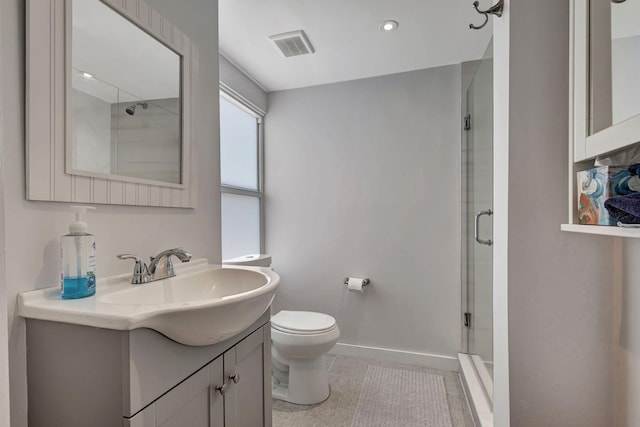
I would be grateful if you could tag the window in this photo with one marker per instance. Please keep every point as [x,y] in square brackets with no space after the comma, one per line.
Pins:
[241,177]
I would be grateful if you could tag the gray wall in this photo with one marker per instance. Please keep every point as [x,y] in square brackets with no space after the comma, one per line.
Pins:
[363,179]
[626,333]
[560,285]
[32,228]
[626,338]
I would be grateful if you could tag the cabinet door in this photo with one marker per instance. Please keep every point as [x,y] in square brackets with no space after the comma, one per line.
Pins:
[246,404]
[187,404]
[196,402]
[219,388]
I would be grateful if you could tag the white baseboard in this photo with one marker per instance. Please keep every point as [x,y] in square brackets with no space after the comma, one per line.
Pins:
[433,361]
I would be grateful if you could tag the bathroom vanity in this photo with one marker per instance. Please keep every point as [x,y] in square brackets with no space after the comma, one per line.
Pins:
[87,376]
[189,350]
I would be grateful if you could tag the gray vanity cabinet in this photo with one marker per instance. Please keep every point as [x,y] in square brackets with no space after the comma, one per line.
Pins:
[84,376]
[227,392]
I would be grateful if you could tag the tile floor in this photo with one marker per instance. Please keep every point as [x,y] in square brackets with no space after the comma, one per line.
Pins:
[346,375]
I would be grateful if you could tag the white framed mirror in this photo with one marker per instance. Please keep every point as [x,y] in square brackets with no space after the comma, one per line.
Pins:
[605,104]
[109,101]
[625,60]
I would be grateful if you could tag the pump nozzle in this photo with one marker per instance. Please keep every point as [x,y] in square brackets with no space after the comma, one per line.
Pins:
[79,226]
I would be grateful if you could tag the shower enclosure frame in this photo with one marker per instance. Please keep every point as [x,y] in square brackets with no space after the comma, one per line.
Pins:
[477,229]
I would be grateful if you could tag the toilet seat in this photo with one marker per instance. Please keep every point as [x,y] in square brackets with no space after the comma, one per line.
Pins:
[303,322]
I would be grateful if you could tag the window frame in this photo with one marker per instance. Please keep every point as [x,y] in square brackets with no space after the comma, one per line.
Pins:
[244,104]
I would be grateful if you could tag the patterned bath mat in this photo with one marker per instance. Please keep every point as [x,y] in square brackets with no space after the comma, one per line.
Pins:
[396,397]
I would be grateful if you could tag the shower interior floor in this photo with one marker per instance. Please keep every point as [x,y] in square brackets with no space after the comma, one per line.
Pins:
[346,377]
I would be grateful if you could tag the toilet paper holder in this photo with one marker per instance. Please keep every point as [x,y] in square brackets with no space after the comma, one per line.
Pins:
[365,282]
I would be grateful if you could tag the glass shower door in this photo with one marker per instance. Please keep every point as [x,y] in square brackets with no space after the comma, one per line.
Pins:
[479,219]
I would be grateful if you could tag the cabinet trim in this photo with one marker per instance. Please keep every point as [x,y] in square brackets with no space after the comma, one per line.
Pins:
[621,135]
[579,77]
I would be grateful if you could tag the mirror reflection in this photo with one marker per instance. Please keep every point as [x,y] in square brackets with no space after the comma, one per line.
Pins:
[625,60]
[126,103]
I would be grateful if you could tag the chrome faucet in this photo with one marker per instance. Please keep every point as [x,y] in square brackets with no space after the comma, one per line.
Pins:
[160,267]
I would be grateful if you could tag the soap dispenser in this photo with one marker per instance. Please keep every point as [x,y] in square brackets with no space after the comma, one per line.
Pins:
[78,256]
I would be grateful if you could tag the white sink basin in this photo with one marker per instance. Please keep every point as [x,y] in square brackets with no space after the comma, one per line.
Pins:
[213,284]
[204,304]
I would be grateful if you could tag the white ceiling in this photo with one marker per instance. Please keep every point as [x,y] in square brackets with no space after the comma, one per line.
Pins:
[346,37]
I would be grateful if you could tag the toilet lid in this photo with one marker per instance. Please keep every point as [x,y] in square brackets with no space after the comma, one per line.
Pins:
[302,322]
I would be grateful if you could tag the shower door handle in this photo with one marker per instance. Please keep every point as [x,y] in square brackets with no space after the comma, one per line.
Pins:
[476,231]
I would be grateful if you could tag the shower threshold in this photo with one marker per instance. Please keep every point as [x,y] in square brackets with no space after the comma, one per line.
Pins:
[479,401]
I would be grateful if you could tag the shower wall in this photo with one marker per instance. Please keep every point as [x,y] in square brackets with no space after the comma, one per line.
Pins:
[143,145]
[92,128]
[146,144]
[363,179]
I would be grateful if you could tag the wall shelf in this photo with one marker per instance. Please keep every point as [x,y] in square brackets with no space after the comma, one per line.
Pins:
[602,230]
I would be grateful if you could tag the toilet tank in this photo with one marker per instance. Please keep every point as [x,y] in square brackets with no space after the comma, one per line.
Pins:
[254,260]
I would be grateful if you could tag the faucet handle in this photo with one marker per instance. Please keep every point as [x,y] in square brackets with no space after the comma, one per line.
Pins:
[140,271]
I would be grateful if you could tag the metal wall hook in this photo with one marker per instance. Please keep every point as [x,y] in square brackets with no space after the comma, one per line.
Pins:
[496,9]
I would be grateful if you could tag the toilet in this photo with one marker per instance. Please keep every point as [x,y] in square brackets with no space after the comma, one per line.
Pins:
[299,340]
[253,260]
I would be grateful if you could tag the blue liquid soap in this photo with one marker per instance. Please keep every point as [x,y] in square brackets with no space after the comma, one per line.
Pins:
[78,259]
[78,287]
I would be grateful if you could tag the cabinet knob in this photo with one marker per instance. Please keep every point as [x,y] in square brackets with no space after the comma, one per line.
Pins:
[235,378]
[222,388]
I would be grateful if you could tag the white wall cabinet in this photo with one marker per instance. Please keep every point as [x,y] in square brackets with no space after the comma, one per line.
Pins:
[139,378]
[591,133]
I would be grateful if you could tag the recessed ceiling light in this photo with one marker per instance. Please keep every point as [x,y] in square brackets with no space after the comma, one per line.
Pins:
[86,75]
[388,25]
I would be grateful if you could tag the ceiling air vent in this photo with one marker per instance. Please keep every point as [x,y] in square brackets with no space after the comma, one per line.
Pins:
[293,43]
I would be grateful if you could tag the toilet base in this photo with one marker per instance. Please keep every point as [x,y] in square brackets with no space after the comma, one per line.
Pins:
[308,382]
